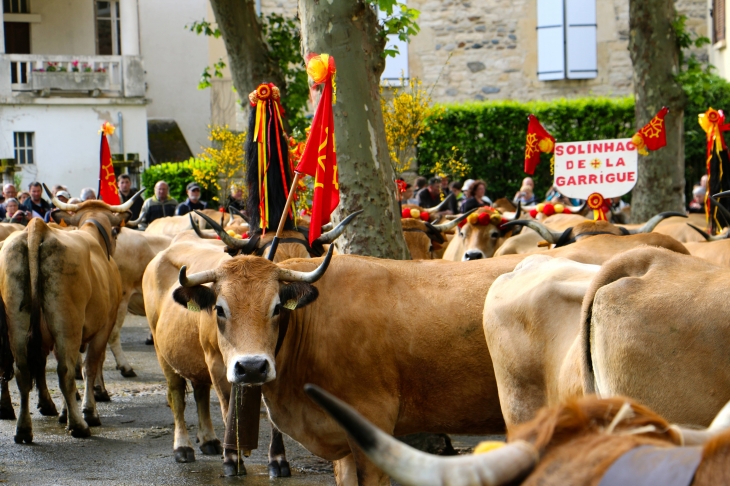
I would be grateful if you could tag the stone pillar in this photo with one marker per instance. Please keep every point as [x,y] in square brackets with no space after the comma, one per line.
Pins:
[130,27]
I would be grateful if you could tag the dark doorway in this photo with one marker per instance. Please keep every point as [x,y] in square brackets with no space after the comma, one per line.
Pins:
[17,37]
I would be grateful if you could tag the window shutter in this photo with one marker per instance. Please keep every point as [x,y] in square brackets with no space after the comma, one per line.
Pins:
[580,16]
[395,67]
[550,40]
[718,20]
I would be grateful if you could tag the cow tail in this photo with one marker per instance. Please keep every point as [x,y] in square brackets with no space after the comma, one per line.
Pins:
[631,264]
[6,354]
[36,232]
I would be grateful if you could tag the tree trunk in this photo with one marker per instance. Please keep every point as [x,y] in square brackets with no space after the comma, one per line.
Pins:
[248,55]
[655,55]
[348,30]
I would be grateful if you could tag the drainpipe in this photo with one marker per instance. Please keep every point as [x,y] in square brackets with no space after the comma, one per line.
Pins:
[120,132]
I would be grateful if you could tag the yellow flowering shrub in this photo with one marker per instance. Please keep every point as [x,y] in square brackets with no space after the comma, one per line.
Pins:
[227,155]
[452,165]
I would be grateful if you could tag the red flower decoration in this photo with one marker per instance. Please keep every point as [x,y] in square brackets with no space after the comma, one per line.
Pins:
[406,213]
[485,218]
[425,216]
[533,212]
[548,209]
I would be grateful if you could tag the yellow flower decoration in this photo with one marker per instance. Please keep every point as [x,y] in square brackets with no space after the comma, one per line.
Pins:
[107,129]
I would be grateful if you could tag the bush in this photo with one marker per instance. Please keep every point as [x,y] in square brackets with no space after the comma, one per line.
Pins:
[490,136]
[178,175]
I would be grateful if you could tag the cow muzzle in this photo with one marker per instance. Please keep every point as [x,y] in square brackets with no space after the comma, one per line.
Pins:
[473,255]
[251,370]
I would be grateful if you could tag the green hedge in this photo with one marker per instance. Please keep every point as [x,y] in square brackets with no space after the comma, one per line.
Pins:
[178,175]
[491,135]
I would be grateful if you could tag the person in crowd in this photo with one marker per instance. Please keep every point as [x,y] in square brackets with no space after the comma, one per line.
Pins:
[192,202]
[445,186]
[697,204]
[9,191]
[124,182]
[430,196]
[554,196]
[420,183]
[235,198]
[23,196]
[411,199]
[404,191]
[475,196]
[87,194]
[158,206]
[13,213]
[526,194]
[63,196]
[455,202]
[35,204]
[58,187]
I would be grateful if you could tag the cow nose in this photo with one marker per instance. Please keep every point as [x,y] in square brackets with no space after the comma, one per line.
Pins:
[473,255]
[251,371]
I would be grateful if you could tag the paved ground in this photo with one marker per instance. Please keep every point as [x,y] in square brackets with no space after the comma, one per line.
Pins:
[134,443]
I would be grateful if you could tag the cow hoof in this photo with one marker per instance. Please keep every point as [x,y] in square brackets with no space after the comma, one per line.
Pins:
[23,435]
[92,420]
[101,395]
[230,469]
[279,469]
[128,373]
[212,448]
[63,418]
[7,413]
[149,341]
[48,409]
[80,432]
[184,454]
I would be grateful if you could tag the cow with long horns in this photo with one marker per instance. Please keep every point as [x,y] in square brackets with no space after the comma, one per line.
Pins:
[61,289]
[591,441]
[424,239]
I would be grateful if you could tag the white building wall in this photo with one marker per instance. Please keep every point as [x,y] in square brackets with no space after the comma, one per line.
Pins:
[66,27]
[174,58]
[67,140]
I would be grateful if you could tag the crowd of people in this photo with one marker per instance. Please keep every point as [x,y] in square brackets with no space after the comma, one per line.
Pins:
[21,208]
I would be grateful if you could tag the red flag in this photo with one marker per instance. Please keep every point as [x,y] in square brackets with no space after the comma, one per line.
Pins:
[654,134]
[108,191]
[538,140]
[319,158]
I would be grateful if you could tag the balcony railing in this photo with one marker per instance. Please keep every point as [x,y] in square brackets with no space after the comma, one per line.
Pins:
[121,76]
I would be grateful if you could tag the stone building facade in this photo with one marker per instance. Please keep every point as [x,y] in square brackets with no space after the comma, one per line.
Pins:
[487,49]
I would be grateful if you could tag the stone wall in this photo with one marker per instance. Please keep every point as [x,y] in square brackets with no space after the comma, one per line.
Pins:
[487,49]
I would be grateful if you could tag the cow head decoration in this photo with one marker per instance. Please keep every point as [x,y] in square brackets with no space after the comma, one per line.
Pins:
[482,233]
[423,238]
[248,328]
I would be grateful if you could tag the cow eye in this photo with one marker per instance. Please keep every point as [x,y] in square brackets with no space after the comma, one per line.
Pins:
[277,310]
[495,234]
[220,312]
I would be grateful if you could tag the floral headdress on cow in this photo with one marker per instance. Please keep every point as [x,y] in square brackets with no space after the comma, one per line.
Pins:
[484,216]
[268,167]
[548,209]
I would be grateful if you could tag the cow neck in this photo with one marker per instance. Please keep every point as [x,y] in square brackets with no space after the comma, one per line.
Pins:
[104,235]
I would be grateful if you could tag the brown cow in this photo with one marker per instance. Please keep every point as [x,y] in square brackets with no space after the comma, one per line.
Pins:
[373,342]
[575,443]
[475,240]
[70,298]
[425,239]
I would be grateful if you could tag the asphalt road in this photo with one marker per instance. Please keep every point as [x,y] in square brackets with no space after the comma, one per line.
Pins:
[134,443]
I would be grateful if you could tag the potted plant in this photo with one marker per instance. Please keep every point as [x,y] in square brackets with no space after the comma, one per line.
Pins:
[80,78]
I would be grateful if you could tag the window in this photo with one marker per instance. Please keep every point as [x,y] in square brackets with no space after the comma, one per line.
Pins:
[108,28]
[23,148]
[396,68]
[566,39]
[16,6]
[718,21]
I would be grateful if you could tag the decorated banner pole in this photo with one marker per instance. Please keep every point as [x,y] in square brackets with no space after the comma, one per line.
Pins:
[319,158]
[107,190]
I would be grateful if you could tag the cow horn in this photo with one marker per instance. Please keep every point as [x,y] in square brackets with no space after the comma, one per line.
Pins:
[453,223]
[231,242]
[549,236]
[653,222]
[135,222]
[720,195]
[120,208]
[722,208]
[412,467]
[235,212]
[707,236]
[198,231]
[308,277]
[59,204]
[720,424]
[328,226]
[199,278]
[440,206]
[332,235]
[575,210]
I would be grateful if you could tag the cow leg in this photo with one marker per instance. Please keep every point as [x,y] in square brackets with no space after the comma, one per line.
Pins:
[182,447]
[79,375]
[92,368]
[368,474]
[66,355]
[209,443]
[45,402]
[24,426]
[100,392]
[115,342]
[278,465]
[345,471]
[6,405]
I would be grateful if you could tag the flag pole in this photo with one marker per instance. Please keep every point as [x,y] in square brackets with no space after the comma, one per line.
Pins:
[282,222]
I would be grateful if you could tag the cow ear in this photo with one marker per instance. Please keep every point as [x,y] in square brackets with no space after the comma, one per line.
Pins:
[195,298]
[297,295]
[62,218]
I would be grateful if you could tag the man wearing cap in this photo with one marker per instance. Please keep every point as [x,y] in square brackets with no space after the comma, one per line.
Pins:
[158,206]
[192,202]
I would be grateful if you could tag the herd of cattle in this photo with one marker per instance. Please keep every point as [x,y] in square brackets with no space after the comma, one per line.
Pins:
[570,308]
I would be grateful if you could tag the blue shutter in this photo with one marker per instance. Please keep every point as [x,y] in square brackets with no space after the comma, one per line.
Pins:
[550,40]
[580,18]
